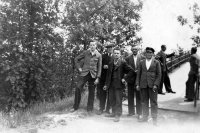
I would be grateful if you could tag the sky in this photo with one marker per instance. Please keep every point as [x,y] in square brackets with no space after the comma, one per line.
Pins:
[160,25]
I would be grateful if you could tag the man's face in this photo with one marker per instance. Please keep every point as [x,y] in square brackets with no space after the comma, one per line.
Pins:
[134,50]
[149,54]
[93,46]
[117,54]
[164,49]
[109,49]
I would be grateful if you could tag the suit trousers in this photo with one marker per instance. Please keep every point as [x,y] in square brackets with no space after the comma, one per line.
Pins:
[148,93]
[166,81]
[115,99]
[91,87]
[138,102]
[103,97]
[190,83]
[131,101]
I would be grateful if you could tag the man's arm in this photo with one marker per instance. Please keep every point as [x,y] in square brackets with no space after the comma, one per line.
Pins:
[99,66]
[128,69]
[170,55]
[78,58]
[158,74]
[137,82]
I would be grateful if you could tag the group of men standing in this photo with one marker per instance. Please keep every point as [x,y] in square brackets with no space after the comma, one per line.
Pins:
[141,72]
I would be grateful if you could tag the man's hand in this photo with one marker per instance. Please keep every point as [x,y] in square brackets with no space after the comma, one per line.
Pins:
[123,81]
[105,88]
[154,88]
[105,66]
[80,70]
[137,88]
[96,81]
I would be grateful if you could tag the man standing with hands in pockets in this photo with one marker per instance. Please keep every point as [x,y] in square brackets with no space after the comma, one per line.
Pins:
[148,81]
[90,72]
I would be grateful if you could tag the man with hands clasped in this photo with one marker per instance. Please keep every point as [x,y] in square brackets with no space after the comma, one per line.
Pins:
[148,81]
[91,72]
[115,83]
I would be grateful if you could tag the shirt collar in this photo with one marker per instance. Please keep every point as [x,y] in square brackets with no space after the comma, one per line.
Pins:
[93,53]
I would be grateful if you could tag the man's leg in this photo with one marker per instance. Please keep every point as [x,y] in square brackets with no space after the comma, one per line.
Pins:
[91,88]
[138,103]
[102,97]
[107,102]
[167,83]
[154,105]
[160,90]
[82,80]
[118,105]
[145,104]
[131,107]
[112,99]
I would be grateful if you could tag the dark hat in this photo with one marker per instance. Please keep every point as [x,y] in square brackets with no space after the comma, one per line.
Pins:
[151,49]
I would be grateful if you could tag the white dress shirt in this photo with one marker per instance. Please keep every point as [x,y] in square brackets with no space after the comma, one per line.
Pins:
[135,59]
[148,63]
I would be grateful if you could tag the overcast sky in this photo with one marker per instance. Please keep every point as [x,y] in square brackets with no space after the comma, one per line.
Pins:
[160,25]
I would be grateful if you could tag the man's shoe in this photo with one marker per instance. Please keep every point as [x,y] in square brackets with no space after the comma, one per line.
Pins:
[139,117]
[171,92]
[144,119]
[188,100]
[73,110]
[155,123]
[161,93]
[116,118]
[130,114]
[107,111]
[99,112]
[110,115]
[90,113]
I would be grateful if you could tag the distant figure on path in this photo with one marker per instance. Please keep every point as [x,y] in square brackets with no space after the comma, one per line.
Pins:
[161,56]
[90,72]
[192,76]
[115,83]
[148,81]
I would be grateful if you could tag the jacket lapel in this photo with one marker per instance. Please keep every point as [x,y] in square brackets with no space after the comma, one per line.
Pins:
[118,64]
[132,61]
[152,63]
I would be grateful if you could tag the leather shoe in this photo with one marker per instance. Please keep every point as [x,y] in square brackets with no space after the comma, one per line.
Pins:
[90,113]
[107,111]
[155,123]
[110,115]
[99,112]
[73,110]
[188,100]
[171,92]
[130,114]
[161,93]
[139,117]
[144,119]
[116,118]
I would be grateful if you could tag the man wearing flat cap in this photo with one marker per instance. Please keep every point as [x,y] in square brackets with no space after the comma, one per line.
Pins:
[103,96]
[148,81]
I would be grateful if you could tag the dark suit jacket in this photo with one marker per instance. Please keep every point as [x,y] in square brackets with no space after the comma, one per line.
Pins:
[119,71]
[105,61]
[91,64]
[130,61]
[148,78]
[194,64]
[161,56]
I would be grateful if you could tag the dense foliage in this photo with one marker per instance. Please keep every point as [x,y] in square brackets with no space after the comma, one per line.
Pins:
[40,38]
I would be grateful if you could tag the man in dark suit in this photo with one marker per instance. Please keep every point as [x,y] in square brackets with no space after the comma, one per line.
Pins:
[148,81]
[115,83]
[91,72]
[161,56]
[106,58]
[133,60]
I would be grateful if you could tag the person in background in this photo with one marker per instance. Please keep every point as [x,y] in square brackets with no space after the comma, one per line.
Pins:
[192,76]
[115,83]
[161,56]
[148,81]
[91,72]
[133,60]
[103,97]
